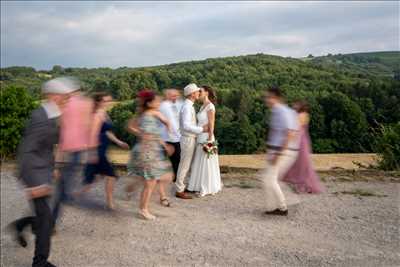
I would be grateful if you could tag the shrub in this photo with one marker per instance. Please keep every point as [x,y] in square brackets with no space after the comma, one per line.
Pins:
[387,145]
[120,115]
[16,106]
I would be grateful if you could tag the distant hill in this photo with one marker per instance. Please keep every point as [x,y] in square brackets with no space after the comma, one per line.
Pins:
[244,72]
[374,63]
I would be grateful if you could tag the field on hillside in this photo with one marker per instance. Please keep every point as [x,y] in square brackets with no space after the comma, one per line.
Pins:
[322,162]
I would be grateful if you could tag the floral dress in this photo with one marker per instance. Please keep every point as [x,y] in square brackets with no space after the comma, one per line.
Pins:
[148,157]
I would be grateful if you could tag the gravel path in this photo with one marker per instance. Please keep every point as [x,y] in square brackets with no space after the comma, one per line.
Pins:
[229,229]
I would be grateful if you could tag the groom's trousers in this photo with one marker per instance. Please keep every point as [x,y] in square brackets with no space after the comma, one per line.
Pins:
[273,172]
[188,145]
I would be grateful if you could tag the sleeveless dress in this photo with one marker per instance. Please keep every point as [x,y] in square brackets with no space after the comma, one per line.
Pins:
[302,174]
[148,158]
[205,176]
[103,166]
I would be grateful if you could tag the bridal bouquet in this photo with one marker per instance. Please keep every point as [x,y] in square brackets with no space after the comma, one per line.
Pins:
[210,147]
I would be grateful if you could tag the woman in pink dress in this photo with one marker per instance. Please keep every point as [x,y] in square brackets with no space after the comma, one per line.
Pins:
[302,174]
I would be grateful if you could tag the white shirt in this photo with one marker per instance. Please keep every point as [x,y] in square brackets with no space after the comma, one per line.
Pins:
[172,112]
[283,119]
[51,108]
[188,120]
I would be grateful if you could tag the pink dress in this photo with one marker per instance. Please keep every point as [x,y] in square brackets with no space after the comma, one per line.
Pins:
[302,174]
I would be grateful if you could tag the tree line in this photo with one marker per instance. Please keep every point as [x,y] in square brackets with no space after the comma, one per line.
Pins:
[348,104]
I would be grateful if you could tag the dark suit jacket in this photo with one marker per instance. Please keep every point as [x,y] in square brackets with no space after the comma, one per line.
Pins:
[35,153]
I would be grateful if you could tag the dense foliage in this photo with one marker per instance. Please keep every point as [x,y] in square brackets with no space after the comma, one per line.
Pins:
[387,144]
[350,95]
[16,106]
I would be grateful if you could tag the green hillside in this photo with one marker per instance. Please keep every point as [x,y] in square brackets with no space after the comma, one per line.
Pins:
[375,63]
[350,95]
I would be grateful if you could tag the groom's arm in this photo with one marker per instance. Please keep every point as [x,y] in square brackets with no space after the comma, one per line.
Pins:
[187,122]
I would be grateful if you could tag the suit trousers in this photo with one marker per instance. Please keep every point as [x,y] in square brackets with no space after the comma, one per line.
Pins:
[188,145]
[175,158]
[42,225]
[273,172]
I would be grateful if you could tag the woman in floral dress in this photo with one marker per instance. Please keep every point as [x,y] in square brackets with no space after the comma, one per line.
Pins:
[149,160]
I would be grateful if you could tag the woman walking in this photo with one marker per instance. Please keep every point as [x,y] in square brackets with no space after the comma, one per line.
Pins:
[302,174]
[101,135]
[148,158]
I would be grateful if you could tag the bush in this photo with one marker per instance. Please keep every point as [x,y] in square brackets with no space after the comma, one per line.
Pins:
[388,147]
[16,106]
[120,115]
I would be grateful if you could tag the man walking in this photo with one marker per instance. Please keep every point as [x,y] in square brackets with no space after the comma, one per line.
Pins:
[74,138]
[171,108]
[36,167]
[282,147]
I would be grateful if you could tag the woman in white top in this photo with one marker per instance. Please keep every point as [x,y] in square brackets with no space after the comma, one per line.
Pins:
[205,175]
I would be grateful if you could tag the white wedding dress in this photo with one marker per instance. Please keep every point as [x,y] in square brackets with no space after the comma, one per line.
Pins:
[205,175]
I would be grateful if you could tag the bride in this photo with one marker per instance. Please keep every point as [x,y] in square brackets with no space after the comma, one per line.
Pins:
[205,175]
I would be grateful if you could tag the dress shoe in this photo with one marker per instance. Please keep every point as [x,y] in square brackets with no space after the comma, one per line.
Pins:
[182,195]
[18,235]
[277,212]
[48,264]
[21,240]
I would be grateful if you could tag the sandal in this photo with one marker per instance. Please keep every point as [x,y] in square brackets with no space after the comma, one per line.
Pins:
[165,202]
[146,215]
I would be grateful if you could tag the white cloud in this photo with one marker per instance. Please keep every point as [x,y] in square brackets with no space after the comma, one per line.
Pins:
[141,34]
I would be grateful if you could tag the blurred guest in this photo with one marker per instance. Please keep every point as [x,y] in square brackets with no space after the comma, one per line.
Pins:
[148,158]
[282,147]
[302,174]
[171,108]
[134,127]
[36,167]
[74,138]
[100,137]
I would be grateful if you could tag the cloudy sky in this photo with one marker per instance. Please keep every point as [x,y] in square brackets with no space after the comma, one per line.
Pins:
[115,34]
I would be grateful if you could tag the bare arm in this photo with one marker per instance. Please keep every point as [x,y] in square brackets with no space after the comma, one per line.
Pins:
[211,124]
[162,118]
[133,126]
[95,131]
[115,140]
[304,119]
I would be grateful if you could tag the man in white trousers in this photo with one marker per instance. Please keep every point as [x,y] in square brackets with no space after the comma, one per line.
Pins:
[189,131]
[283,146]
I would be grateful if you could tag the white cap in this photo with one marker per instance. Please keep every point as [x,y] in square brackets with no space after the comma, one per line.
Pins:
[61,85]
[190,88]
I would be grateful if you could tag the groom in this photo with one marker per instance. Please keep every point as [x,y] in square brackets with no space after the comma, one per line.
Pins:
[189,131]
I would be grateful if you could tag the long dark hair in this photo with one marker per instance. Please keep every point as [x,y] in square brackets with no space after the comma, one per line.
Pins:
[97,98]
[211,94]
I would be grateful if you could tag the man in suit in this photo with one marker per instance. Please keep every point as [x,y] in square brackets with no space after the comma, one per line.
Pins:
[36,167]
[189,131]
